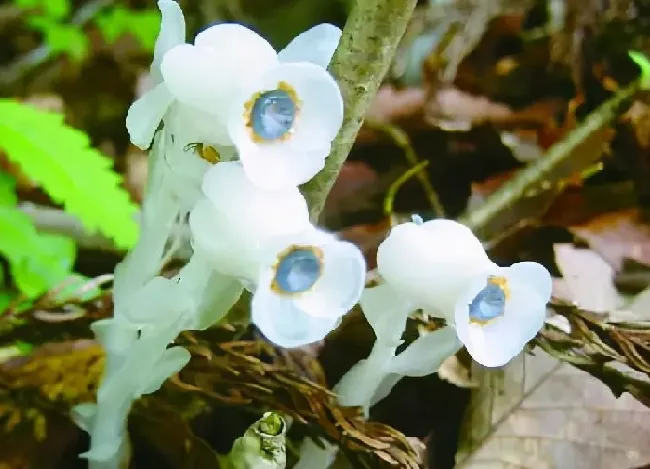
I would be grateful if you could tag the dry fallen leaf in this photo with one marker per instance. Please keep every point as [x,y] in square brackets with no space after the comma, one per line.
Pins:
[617,236]
[542,414]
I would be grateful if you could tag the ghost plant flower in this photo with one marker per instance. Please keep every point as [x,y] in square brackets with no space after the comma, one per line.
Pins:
[306,282]
[236,218]
[281,116]
[501,310]
[429,264]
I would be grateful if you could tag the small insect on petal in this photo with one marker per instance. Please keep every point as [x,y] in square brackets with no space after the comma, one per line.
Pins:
[297,270]
[270,115]
[490,302]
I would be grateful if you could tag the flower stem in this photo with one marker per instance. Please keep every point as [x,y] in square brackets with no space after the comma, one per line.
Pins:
[370,38]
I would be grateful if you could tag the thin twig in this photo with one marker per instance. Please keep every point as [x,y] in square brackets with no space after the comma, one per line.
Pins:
[402,140]
[370,38]
[534,174]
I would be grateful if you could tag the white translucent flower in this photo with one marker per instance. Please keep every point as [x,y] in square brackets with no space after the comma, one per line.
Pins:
[306,282]
[281,110]
[236,219]
[430,264]
[501,310]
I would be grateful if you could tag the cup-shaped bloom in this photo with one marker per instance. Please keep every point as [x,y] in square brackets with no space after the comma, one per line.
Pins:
[306,282]
[280,110]
[501,310]
[236,218]
[431,263]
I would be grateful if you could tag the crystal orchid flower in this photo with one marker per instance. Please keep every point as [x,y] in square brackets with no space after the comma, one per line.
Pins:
[306,282]
[429,264]
[501,310]
[280,110]
[236,218]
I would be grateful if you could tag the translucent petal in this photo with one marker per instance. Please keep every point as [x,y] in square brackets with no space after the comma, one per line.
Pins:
[171,362]
[189,124]
[146,113]
[316,45]
[263,213]
[534,275]
[239,47]
[497,342]
[385,387]
[114,334]
[172,33]
[300,154]
[158,300]
[217,238]
[425,355]
[83,415]
[196,76]
[276,168]
[224,292]
[432,263]
[341,284]
[103,451]
[386,310]
[282,321]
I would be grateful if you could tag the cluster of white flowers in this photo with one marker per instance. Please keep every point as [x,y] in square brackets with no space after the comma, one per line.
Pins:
[236,127]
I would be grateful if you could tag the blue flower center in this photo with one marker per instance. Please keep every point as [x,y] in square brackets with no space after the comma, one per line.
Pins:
[297,271]
[273,114]
[488,304]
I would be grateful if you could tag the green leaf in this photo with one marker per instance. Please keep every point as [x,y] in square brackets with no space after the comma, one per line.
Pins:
[7,190]
[60,159]
[644,64]
[54,9]
[37,261]
[62,38]
[143,25]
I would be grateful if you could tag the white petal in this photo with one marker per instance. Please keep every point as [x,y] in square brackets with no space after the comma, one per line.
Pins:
[316,45]
[217,238]
[171,362]
[195,76]
[341,284]
[241,51]
[425,355]
[224,292]
[534,275]
[264,213]
[114,334]
[189,124]
[103,451]
[432,263]
[385,387]
[172,33]
[320,108]
[146,113]
[386,310]
[496,343]
[158,300]
[276,168]
[284,323]
[83,415]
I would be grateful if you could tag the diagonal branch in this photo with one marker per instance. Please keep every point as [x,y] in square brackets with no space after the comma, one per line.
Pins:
[370,38]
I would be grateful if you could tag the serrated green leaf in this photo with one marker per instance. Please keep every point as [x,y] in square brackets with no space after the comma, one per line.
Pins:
[60,159]
[37,261]
[7,190]
[644,64]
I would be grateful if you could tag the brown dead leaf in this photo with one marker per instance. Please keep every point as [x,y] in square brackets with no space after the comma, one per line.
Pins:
[542,414]
[617,236]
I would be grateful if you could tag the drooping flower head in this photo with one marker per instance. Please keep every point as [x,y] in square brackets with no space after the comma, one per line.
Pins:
[280,110]
[501,310]
[235,218]
[306,282]
[431,263]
